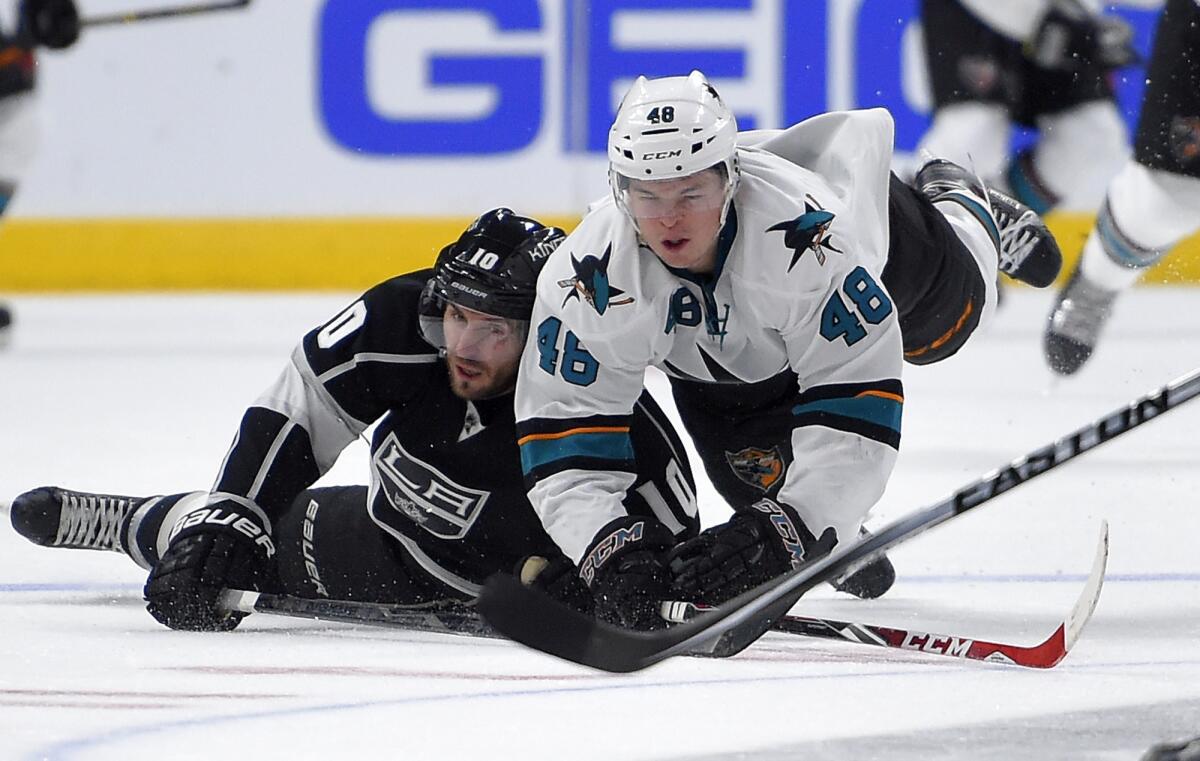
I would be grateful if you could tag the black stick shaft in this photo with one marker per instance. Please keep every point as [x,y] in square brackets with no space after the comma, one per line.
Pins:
[149,14]
[462,620]
[452,618]
[1089,437]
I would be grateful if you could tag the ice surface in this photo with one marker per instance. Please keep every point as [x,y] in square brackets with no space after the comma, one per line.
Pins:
[141,394]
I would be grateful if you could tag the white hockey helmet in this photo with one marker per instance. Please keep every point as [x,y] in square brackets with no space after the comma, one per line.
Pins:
[669,128]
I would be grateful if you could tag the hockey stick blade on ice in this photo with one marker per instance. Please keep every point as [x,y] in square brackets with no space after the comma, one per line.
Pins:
[438,618]
[463,620]
[533,619]
[1045,654]
[151,14]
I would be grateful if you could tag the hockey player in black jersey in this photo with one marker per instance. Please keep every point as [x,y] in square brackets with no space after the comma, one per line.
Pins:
[431,357]
[1042,64]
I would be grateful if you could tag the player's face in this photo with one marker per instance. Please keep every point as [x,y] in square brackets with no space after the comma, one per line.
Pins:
[680,219]
[482,352]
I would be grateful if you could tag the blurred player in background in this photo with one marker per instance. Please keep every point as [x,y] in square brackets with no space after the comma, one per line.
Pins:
[431,357]
[779,278]
[1152,204]
[1038,63]
[24,26]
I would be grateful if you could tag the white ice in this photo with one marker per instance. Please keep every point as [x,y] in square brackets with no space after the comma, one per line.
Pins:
[140,394]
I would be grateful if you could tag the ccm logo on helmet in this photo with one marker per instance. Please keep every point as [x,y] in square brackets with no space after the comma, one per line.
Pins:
[662,155]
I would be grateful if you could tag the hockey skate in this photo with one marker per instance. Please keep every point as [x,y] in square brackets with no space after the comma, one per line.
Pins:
[1184,750]
[869,581]
[54,517]
[5,324]
[1075,323]
[1027,249]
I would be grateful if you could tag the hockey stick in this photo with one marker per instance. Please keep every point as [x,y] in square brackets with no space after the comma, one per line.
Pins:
[1043,655]
[462,620]
[150,14]
[442,618]
[533,619]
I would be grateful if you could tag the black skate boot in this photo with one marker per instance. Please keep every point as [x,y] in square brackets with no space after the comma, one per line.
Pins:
[1027,250]
[1184,750]
[869,581]
[55,517]
[1075,323]
[5,324]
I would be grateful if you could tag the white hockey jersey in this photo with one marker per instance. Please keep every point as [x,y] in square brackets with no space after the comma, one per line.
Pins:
[798,285]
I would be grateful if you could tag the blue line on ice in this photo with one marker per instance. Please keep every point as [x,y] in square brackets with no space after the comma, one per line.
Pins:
[983,578]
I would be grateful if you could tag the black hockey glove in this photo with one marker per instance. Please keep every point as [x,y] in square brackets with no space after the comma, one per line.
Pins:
[558,578]
[223,545]
[625,570]
[758,543]
[52,23]
[1070,37]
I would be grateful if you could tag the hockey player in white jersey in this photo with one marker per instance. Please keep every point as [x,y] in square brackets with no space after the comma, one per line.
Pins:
[1151,205]
[24,26]
[779,279]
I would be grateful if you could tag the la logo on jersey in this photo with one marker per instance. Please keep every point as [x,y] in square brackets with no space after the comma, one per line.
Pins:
[423,493]
[591,283]
[807,232]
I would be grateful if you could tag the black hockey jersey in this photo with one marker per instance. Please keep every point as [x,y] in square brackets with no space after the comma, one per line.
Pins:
[446,477]
[18,66]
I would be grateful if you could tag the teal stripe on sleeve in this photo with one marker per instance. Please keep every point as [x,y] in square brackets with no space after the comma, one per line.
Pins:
[538,453]
[875,410]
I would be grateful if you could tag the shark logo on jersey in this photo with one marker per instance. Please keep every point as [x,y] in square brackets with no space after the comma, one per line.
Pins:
[761,468]
[423,493]
[807,232]
[591,283]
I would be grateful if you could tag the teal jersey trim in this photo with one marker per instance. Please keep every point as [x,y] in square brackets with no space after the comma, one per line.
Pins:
[536,454]
[875,410]
[984,215]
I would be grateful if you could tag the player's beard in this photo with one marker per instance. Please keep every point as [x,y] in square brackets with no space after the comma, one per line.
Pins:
[489,380]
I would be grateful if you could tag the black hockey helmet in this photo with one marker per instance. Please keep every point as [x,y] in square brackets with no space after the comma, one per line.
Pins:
[491,268]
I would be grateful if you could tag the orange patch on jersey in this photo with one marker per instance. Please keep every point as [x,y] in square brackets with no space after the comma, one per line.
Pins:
[760,468]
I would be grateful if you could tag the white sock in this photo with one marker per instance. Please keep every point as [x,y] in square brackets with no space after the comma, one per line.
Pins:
[1147,212]
[971,232]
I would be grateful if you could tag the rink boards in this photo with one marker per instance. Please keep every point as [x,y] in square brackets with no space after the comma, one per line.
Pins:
[188,155]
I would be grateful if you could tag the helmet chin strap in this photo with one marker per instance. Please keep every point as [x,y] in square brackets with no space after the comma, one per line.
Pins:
[733,176]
